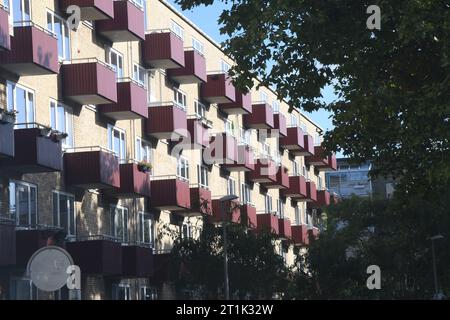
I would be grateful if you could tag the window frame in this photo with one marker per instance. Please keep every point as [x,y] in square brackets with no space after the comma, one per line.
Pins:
[177,29]
[246,194]
[28,103]
[29,186]
[183,164]
[119,57]
[122,142]
[197,43]
[125,237]
[68,142]
[69,222]
[144,219]
[231,186]
[203,176]
[66,47]
[177,93]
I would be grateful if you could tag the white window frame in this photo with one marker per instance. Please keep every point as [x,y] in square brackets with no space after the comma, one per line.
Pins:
[119,69]
[203,176]
[268,204]
[231,186]
[246,194]
[9,5]
[198,46]
[64,37]
[275,106]
[139,71]
[122,141]
[146,221]
[143,145]
[264,97]
[127,290]
[71,223]
[224,66]
[294,120]
[245,136]
[177,29]
[280,208]
[295,168]
[200,109]
[229,127]
[183,163]
[115,210]
[187,231]
[179,99]
[297,216]
[68,122]
[30,104]
[28,186]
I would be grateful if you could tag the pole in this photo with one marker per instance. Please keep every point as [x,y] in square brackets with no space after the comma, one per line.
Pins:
[225,252]
[436,286]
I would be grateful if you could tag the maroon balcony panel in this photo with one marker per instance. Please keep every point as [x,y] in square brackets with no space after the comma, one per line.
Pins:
[6,140]
[279,125]
[163,51]
[222,149]
[245,160]
[171,194]
[166,122]
[260,118]
[242,105]
[265,172]
[284,226]
[218,89]
[5,39]
[313,234]
[7,243]
[311,192]
[268,222]
[127,25]
[297,188]
[319,159]
[201,202]
[230,208]
[300,235]
[102,257]
[34,153]
[33,52]
[92,169]
[137,261]
[199,133]
[133,182]
[294,141]
[249,216]
[28,242]
[89,83]
[323,199]
[131,103]
[91,10]
[194,70]
[332,162]
[282,179]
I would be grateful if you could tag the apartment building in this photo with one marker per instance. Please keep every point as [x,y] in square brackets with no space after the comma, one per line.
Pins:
[129,126]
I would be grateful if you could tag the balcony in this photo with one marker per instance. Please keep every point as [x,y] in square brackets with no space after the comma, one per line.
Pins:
[127,24]
[201,203]
[321,161]
[29,239]
[137,261]
[89,81]
[194,70]
[249,216]
[163,49]
[6,139]
[134,181]
[198,129]
[97,254]
[311,192]
[242,104]
[300,235]
[131,102]
[7,242]
[323,199]
[267,222]
[284,227]
[265,171]
[231,208]
[218,89]
[260,118]
[170,193]
[91,10]
[223,149]
[36,149]
[297,142]
[297,188]
[92,168]
[245,160]
[166,120]
[5,38]
[34,51]
[282,179]
[279,125]
[313,234]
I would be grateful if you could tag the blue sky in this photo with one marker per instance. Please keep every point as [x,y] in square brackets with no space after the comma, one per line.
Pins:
[206,19]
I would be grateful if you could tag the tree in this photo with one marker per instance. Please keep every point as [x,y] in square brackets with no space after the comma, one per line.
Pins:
[365,232]
[392,85]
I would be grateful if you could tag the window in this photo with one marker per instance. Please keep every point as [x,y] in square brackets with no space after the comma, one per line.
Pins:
[245,136]
[280,208]
[202,176]
[246,195]
[231,186]
[294,120]
[319,183]
[23,203]
[200,109]
[144,151]
[268,203]
[197,45]
[309,219]
[121,291]
[265,149]
[303,127]
[61,119]
[115,60]
[298,218]
[263,96]
[146,233]
[318,139]
[183,168]
[179,99]
[305,172]
[276,106]
[139,74]
[177,29]
[116,141]
[20,11]
[148,293]
[21,100]
[186,231]
[229,127]
[23,289]
[295,168]
[58,26]
[119,223]
[224,66]
[139,3]
[64,212]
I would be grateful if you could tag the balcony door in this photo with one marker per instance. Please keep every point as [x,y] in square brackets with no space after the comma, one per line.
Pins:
[21,100]
[23,203]
[115,60]
[119,223]
[116,141]
[20,11]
